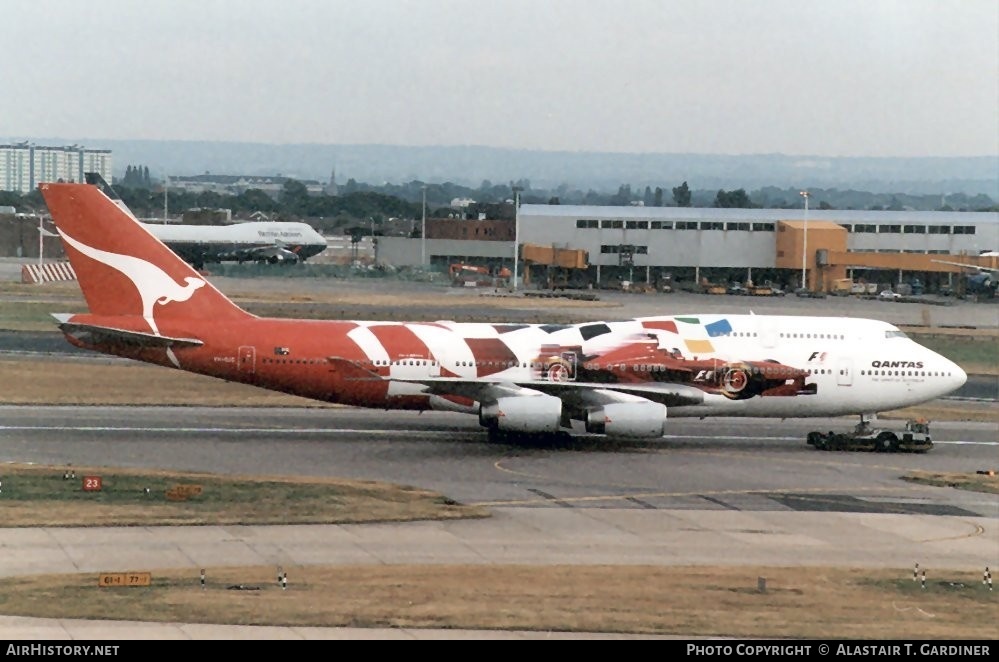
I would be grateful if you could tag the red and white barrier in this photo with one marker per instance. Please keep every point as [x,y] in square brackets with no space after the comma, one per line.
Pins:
[47,272]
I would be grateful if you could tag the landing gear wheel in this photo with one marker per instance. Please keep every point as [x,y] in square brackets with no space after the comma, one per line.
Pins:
[887,442]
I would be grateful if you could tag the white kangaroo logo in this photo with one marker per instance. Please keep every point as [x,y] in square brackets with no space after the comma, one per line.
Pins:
[154,285]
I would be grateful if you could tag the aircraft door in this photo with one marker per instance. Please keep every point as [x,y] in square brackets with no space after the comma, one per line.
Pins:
[844,372]
[569,359]
[411,368]
[247,358]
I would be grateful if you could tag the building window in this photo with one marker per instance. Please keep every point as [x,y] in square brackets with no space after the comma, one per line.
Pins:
[744,227]
[638,225]
[914,229]
[890,229]
[763,227]
[964,229]
[686,225]
[938,229]
[712,225]
[661,225]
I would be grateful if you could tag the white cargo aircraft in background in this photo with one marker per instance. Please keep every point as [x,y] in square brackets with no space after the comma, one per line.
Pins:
[253,241]
[982,280]
[616,378]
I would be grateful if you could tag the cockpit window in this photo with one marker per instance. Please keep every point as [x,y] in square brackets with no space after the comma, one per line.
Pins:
[895,334]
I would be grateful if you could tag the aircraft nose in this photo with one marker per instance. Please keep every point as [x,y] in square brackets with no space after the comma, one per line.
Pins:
[959,376]
[955,377]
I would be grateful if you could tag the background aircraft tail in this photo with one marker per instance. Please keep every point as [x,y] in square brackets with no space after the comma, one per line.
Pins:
[123,269]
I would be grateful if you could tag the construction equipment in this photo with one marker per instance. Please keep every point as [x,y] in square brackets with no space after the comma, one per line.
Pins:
[555,268]
[472,275]
[915,438]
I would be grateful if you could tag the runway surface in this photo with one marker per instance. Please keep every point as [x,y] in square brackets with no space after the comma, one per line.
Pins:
[732,464]
[724,491]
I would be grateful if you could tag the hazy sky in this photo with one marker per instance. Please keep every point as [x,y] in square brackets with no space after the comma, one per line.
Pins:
[823,77]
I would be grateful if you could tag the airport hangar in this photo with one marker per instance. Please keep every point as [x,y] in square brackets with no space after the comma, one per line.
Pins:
[643,244]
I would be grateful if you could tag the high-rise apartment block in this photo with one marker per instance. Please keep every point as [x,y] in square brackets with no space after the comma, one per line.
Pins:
[23,166]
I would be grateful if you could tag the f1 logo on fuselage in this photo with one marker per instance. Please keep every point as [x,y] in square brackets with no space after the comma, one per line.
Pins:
[817,357]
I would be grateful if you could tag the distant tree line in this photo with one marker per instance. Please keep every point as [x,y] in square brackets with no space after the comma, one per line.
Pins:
[370,205]
[136,177]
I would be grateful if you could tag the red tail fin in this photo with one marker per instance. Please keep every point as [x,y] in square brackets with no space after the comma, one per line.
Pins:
[122,268]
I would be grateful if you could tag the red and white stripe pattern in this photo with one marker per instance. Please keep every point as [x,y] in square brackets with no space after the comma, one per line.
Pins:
[47,272]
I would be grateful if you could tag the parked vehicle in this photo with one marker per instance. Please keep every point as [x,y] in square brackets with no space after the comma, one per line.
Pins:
[864,437]
[736,288]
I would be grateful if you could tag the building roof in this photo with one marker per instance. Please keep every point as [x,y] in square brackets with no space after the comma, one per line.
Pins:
[813,225]
[733,214]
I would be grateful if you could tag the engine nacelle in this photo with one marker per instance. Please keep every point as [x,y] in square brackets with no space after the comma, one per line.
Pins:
[635,420]
[528,413]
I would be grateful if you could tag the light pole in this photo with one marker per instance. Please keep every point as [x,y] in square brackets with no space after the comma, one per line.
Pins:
[804,248]
[516,233]
[423,231]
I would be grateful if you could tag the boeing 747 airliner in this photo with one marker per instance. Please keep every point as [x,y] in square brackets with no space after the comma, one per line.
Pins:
[614,378]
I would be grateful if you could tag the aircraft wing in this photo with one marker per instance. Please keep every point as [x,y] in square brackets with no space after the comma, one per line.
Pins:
[574,394]
[585,394]
[277,251]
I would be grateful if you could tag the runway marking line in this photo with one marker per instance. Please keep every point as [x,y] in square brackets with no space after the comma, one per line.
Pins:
[978,530]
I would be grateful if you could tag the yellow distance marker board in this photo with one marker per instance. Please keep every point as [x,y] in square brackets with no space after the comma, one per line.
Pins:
[112,579]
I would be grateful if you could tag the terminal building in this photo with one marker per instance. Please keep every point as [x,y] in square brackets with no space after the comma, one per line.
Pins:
[645,244]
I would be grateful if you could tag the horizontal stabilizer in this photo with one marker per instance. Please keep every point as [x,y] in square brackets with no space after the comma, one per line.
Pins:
[91,334]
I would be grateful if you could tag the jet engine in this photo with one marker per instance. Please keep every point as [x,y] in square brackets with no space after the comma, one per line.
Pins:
[529,413]
[634,420]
